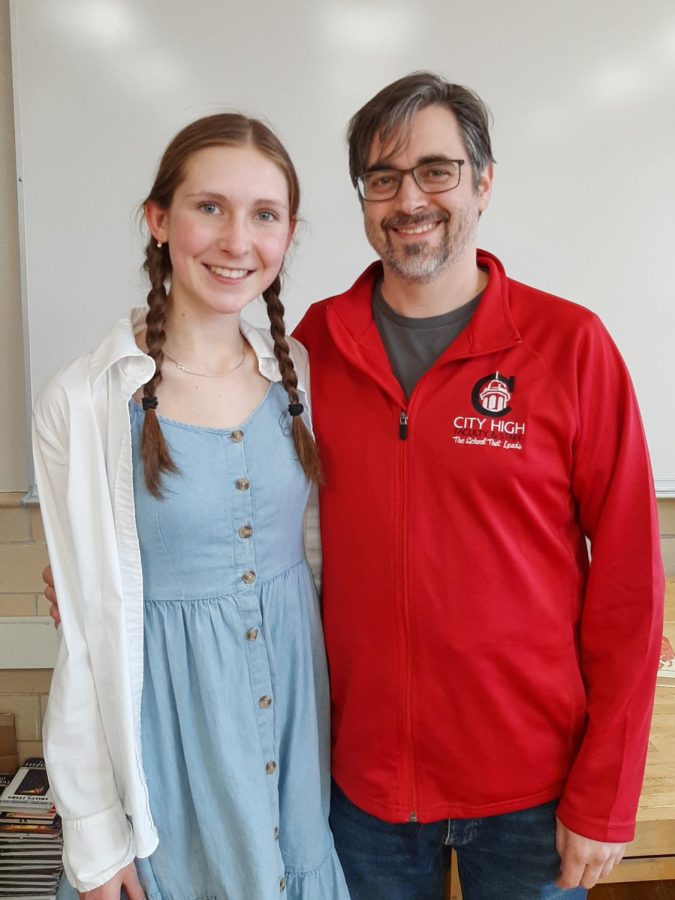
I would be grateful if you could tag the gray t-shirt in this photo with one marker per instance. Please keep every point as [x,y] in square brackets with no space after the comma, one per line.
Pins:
[414,345]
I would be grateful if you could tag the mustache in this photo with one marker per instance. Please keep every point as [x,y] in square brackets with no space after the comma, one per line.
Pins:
[400,221]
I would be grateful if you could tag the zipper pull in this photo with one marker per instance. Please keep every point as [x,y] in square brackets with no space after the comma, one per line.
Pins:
[403,426]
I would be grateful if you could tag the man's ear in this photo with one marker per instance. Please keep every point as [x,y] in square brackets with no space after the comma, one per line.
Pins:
[484,189]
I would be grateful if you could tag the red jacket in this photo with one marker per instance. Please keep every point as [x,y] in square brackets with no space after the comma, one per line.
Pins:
[478,664]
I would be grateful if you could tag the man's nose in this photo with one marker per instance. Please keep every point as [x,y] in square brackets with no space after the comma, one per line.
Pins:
[410,195]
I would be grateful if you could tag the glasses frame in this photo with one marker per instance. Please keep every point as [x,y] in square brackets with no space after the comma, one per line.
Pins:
[403,172]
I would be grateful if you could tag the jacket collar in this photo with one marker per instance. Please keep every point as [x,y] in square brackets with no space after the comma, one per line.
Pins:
[491,327]
[119,348]
[350,321]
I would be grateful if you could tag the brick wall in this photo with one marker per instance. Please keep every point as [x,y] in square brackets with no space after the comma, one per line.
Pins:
[23,555]
[667,522]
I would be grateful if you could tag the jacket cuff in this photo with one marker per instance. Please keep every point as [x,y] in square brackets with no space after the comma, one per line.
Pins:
[96,847]
[595,829]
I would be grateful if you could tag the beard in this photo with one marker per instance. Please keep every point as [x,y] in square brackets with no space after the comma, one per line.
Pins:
[422,261]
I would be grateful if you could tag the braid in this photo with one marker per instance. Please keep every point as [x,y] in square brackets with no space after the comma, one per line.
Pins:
[155,453]
[304,442]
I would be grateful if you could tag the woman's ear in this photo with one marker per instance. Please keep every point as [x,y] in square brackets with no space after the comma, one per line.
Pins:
[157,220]
[291,232]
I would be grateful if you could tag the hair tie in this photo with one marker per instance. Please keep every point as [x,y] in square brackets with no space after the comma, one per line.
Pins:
[149,403]
[296,409]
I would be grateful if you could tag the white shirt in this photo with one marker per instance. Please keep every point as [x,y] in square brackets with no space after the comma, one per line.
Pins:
[83,463]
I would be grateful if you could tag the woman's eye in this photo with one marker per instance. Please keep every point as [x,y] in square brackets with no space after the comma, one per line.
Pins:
[266,215]
[209,208]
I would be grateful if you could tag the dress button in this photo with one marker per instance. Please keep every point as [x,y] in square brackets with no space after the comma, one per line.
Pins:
[276,834]
[265,702]
[282,885]
[242,484]
[248,577]
[237,436]
[251,634]
[245,531]
[271,767]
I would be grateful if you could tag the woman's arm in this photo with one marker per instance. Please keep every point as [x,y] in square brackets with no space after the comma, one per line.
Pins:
[312,537]
[98,841]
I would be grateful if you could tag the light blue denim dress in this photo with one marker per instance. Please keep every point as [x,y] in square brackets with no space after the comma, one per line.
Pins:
[235,710]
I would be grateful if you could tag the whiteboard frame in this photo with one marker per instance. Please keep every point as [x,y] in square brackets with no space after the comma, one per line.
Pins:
[31,497]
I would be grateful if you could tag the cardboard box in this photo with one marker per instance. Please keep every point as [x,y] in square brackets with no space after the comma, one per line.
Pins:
[9,763]
[7,735]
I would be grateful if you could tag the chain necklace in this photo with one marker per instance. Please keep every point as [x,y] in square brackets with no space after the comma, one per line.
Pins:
[204,374]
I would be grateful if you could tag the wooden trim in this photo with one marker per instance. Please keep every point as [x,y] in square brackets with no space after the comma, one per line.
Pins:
[642,868]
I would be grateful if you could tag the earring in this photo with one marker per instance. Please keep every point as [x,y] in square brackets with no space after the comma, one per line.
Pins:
[159,245]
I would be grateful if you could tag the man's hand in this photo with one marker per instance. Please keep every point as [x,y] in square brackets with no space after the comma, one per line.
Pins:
[112,890]
[584,861]
[50,595]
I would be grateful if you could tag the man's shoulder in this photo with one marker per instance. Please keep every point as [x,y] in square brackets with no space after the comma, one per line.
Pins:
[528,301]
[343,304]
[314,312]
[556,328]
[548,320]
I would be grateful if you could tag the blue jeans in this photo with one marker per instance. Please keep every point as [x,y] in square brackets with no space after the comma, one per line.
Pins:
[506,857]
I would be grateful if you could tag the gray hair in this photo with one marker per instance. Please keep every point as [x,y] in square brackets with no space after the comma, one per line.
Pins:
[392,110]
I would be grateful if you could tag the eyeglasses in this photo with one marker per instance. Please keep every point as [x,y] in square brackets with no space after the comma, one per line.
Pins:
[433,177]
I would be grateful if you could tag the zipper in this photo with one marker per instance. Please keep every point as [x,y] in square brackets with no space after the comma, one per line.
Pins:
[403,426]
[408,737]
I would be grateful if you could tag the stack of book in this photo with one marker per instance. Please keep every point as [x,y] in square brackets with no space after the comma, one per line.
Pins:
[31,841]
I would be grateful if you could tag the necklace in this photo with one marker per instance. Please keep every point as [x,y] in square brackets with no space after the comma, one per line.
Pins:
[204,374]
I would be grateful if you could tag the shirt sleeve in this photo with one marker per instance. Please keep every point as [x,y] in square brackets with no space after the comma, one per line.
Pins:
[622,615]
[97,836]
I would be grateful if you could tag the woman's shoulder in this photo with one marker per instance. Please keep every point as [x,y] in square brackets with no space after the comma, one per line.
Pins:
[72,385]
[263,344]
[69,385]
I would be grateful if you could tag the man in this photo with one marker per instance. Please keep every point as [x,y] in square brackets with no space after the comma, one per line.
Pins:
[491,690]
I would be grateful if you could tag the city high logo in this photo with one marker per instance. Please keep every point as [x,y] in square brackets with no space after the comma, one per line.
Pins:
[490,397]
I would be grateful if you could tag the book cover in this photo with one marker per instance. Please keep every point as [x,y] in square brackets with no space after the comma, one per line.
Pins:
[18,830]
[23,815]
[666,673]
[29,788]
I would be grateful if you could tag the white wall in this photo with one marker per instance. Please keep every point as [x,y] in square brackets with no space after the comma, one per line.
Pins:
[582,95]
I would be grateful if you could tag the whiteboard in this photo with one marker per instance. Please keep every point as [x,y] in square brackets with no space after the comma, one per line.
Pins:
[583,99]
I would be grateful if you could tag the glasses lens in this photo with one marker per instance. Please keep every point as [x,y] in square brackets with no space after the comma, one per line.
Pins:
[380,185]
[435,177]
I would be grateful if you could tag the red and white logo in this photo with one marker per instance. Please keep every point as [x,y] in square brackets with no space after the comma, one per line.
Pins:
[491,394]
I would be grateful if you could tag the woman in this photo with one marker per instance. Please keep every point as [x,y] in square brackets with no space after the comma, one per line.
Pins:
[186,735]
